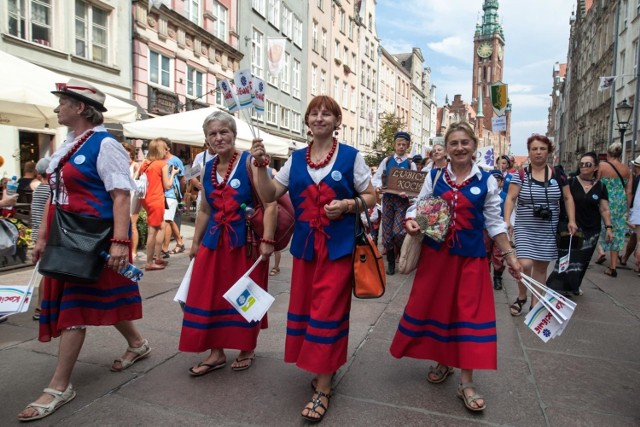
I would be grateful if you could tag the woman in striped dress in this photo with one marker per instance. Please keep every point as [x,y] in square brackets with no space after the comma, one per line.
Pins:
[538,190]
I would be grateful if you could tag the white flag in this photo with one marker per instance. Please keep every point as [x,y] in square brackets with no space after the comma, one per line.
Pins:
[606,82]
[275,54]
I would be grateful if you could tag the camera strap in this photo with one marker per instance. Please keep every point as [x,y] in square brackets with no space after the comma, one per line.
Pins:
[546,184]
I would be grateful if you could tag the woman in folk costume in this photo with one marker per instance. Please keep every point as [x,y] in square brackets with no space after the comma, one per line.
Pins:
[224,251]
[94,182]
[450,315]
[322,181]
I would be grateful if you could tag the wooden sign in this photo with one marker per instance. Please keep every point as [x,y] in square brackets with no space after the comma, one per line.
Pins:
[405,181]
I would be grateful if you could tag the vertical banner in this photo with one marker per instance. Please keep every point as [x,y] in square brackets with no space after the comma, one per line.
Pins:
[257,94]
[228,95]
[242,79]
[485,157]
[499,97]
[275,54]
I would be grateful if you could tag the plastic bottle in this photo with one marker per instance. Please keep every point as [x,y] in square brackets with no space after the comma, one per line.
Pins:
[12,189]
[248,211]
[129,271]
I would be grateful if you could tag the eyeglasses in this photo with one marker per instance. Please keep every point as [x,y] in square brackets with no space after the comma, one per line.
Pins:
[585,164]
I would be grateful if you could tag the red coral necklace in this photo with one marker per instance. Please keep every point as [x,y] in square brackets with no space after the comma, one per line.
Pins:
[326,160]
[75,148]
[214,171]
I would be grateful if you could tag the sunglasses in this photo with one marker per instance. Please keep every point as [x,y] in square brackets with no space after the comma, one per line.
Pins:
[585,164]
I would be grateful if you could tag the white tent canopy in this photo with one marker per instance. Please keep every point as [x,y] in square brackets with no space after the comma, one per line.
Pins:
[26,99]
[186,128]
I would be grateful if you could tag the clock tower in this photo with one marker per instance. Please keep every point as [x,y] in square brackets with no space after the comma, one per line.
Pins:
[488,61]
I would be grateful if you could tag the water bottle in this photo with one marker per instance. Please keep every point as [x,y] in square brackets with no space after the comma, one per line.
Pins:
[129,271]
[12,189]
[248,211]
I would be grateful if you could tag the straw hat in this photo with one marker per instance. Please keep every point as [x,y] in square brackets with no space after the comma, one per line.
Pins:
[82,91]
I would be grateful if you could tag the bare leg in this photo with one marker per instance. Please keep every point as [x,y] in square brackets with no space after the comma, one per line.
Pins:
[631,246]
[613,263]
[323,384]
[216,357]
[134,235]
[71,341]
[539,273]
[176,233]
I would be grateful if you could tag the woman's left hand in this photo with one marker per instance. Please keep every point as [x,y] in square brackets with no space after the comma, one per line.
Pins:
[266,250]
[119,256]
[609,235]
[573,228]
[335,209]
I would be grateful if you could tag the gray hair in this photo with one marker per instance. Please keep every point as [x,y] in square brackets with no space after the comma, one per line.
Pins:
[90,113]
[615,150]
[220,116]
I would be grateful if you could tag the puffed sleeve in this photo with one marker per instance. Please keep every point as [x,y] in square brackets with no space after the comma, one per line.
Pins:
[113,166]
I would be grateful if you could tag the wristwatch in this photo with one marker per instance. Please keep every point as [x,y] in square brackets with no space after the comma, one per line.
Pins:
[609,226]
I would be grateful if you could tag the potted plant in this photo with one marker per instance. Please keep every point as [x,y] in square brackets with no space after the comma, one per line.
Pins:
[337,61]
[347,69]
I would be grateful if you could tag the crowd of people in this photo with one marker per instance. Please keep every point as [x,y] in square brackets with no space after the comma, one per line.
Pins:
[506,219]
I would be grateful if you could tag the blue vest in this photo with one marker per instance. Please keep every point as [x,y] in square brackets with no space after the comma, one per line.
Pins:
[225,205]
[507,181]
[391,163]
[309,198]
[85,161]
[467,238]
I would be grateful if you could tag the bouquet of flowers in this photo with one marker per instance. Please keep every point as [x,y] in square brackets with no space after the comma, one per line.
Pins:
[434,217]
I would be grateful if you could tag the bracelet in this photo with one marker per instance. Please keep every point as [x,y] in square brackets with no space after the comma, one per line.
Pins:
[609,226]
[121,241]
[268,241]
[507,253]
[264,163]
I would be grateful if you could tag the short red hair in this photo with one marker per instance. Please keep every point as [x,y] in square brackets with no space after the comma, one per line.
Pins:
[323,101]
[541,138]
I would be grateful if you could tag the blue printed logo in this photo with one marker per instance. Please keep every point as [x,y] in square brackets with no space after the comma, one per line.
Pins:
[245,300]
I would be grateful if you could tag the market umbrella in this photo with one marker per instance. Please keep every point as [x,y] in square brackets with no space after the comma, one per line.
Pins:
[26,99]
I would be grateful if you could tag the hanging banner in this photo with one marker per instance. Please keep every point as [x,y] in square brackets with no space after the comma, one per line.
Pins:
[242,79]
[606,82]
[228,96]
[485,158]
[499,97]
[499,123]
[275,54]
[257,94]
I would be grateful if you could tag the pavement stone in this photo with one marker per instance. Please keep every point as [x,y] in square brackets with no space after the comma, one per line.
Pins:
[590,376]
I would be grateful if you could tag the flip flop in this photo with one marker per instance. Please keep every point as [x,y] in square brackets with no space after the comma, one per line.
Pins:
[245,367]
[274,271]
[210,368]
[151,267]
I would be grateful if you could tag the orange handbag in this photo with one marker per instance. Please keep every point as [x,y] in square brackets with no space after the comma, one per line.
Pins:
[369,279]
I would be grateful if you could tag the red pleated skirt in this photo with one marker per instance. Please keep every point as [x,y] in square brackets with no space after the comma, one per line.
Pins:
[111,299]
[209,320]
[318,316]
[450,316]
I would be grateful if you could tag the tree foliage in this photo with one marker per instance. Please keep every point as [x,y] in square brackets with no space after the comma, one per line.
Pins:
[383,145]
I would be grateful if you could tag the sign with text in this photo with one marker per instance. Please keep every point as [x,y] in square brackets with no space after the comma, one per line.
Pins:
[405,181]
[499,124]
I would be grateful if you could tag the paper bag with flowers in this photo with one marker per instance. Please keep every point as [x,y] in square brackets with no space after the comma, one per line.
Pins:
[433,215]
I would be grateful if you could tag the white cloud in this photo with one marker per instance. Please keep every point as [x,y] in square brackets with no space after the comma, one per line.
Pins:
[454,46]
[529,100]
[520,88]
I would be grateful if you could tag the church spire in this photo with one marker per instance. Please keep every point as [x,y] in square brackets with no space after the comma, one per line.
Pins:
[490,25]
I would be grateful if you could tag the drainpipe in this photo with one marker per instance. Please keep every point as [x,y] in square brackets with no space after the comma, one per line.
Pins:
[612,108]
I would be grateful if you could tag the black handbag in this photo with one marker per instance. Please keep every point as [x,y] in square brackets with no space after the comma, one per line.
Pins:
[74,244]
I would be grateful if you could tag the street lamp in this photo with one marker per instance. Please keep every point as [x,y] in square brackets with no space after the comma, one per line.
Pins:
[623,116]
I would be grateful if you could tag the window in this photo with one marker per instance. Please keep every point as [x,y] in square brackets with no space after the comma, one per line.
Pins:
[336,88]
[31,20]
[91,32]
[297,31]
[159,69]
[272,113]
[274,13]
[296,122]
[195,82]
[192,10]
[354,60]
[287,21]
[350,29]
[370,22]
[345,56]
[285,75]
[284,118]
[296,79]
[353,99]
[366,46]
[323,83]
[314,79]
[321,4]
[219,100]
[256,54]
[314,34]
[324,43]
[345,95]
[343,26]
[220,29]
[336,52]
[259,6]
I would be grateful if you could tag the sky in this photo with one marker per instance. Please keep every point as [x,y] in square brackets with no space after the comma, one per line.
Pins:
[536,37]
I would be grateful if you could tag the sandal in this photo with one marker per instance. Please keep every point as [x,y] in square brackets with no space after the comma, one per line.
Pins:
[621,262]
[516,307]
[316,403]
[470,400]
[60,398]
[151,267]
[178,249]
[439,373]
[36,314]
[274,271]
[249,361]
[140,352]
[210,368]
[611,272]
[165,254]
[601,259]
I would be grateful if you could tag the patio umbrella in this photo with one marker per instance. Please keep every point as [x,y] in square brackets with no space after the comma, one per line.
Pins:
[186,128]
[26,99]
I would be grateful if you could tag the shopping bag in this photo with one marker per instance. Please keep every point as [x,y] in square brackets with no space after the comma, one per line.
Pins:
[16,299]
[249,299]
[183,290]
